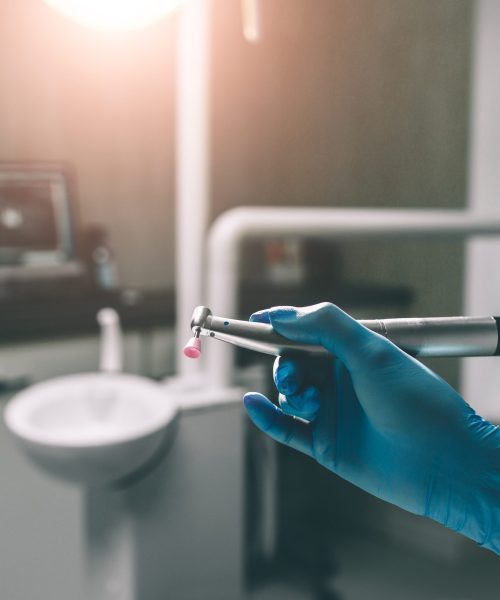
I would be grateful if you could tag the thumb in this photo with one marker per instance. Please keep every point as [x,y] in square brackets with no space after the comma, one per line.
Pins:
[326,325]
[281,427]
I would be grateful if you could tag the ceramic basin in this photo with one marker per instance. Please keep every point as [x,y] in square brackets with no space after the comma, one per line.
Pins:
[93,428]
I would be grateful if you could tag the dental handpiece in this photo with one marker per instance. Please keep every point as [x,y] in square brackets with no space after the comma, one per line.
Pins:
[427,337]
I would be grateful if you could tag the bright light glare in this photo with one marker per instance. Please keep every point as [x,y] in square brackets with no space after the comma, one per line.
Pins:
[114,15]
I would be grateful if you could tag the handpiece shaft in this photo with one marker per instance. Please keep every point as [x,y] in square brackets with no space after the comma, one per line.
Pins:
[441,336]
[435,336]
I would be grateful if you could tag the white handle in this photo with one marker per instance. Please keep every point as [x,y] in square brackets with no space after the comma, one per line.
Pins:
[111,359]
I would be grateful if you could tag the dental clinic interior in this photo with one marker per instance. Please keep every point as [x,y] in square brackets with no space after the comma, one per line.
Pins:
[236,155]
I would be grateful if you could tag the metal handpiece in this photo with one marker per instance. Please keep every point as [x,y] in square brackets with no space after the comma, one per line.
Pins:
[441,336]
[435,336]
[254,336]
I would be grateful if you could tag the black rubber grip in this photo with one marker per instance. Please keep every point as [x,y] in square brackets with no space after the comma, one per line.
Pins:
[497,351]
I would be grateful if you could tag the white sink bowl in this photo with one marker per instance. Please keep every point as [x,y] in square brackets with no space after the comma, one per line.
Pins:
[92,428]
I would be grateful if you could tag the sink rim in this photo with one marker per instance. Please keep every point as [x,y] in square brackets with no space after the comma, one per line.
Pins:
[23,404]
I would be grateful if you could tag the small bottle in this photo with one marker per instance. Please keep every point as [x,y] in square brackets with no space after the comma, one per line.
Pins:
[100,259]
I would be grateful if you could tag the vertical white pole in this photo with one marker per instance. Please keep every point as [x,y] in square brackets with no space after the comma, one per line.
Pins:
[481,377]
[193,166]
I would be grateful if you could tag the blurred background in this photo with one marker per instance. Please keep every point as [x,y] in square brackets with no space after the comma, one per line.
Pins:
[342,103]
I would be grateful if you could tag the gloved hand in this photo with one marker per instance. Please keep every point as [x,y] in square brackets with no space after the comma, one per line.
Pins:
[383,421]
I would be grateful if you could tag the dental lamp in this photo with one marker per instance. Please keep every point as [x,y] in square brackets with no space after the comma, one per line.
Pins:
[123,15]
[114,15]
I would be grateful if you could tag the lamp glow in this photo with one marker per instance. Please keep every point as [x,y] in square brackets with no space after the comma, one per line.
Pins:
[114,15]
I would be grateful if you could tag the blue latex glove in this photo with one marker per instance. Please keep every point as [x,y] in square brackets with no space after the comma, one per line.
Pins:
[383,421]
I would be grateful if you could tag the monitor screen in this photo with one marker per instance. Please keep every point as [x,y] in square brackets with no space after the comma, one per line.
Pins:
[27,216]
[36,216]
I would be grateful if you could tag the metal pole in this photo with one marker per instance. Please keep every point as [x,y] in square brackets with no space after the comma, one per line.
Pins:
[228,231]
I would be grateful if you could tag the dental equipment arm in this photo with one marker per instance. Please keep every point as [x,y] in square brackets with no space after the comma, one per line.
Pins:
[436,336]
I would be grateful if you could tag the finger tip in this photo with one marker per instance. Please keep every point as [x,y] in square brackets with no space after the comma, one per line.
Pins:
[260,316]
[287,375]
[282,314]
[253,400]
[248,399]
[287,387]
[305,404]
[260,410]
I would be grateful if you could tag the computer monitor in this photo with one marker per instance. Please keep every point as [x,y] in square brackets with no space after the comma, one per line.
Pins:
[37,221]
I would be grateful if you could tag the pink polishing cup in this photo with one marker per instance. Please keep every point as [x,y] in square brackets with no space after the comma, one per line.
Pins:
[193,348]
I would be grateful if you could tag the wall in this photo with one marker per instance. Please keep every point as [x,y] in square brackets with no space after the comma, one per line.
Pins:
[104,103]
[345,102]
[351,103]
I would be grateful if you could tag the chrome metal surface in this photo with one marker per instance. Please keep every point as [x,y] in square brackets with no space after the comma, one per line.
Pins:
[440,336]
[420,337]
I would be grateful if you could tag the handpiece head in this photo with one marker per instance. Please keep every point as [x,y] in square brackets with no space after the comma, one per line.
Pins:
[199,318]
[198,321]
